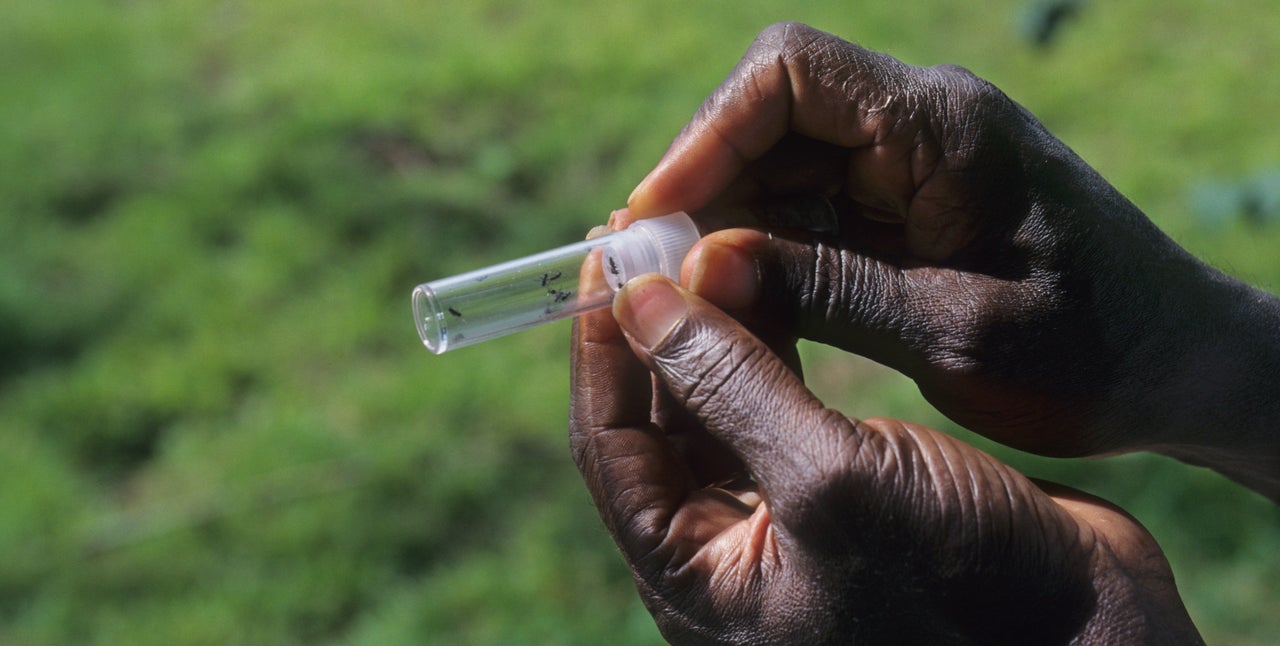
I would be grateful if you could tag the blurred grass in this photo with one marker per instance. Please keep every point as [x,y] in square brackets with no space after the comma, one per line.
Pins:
[217,424]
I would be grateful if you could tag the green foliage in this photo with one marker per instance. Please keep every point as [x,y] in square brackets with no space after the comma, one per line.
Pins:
[218,425]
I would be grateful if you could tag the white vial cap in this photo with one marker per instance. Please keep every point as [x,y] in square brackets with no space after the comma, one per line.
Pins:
[653,245]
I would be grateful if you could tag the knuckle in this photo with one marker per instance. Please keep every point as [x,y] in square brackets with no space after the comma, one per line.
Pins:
[794,45]
[971,105]
[962,87]
[841,287]
[702,373]
[808,281]
[787,35]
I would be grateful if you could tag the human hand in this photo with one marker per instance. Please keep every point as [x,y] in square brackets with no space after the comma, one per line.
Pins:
[1028,299]
[749,513]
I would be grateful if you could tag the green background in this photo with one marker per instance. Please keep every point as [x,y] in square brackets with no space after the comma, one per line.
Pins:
[216,422]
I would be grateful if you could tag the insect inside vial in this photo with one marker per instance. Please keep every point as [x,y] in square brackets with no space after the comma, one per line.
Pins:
[455,312]
[558,297]
[613,266]
[550,276]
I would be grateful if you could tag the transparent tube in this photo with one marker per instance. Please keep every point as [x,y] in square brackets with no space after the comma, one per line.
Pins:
[515,295]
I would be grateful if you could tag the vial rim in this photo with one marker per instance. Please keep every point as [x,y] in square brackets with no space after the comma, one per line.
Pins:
[429,321]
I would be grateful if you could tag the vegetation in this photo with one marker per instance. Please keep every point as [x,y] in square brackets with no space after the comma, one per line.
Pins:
[217,423]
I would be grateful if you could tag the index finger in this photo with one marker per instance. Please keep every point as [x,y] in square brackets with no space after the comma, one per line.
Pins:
[793,78]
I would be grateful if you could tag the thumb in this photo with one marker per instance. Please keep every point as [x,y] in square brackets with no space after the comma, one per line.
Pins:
[740,391]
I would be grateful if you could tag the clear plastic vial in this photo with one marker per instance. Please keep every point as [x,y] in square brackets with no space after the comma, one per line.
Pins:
[508,297]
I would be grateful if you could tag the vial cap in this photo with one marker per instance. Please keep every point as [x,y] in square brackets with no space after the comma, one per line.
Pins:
[653,245]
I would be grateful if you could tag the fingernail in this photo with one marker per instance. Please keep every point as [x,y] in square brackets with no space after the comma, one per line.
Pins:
[620,219]
[638,190]
[598,231]
[648,308]
[637,201]
[725,275]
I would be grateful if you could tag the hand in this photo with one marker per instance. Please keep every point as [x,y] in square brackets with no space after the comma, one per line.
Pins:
[1028,299]
[751,514]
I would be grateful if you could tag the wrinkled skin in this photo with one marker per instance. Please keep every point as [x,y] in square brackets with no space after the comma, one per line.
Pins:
[1028,299]
[978,255]
[751,514]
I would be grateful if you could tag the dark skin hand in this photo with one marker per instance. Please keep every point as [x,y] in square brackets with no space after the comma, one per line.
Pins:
[1029,300]
[751,514]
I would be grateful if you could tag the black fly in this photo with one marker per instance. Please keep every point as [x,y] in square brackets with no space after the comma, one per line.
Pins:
[613,266]
[550,276]
[455,312]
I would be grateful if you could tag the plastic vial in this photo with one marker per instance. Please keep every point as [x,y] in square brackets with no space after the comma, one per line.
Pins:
[508,297]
